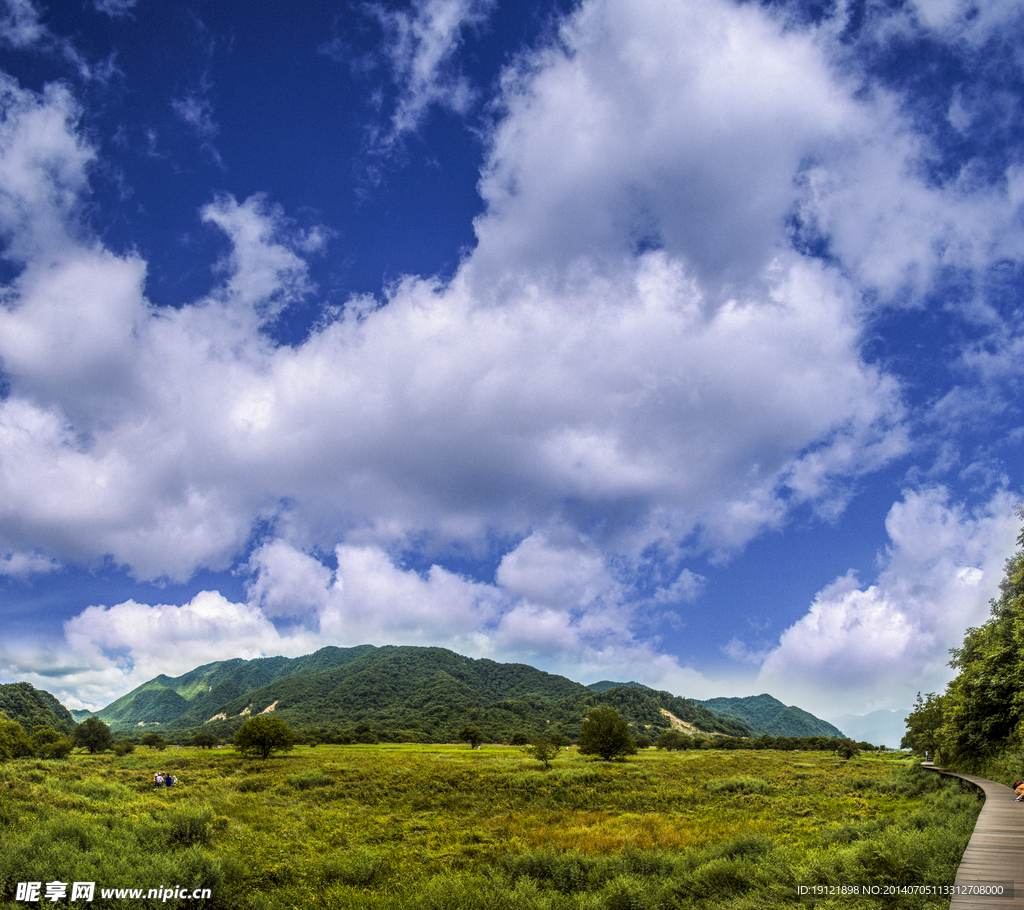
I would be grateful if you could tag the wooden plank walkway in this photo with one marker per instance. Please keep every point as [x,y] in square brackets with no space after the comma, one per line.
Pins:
[995,852]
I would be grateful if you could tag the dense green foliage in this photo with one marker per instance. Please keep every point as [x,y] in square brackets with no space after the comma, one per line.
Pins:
[771,716]
[33,707]
[14,741]
[605,684]
[425,828]
[92,734]
[924,725]
[606,733]
[264,736]
[395,694]
[978,723]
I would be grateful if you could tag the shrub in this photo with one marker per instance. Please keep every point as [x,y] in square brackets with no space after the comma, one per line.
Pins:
[189,826]
[58,749]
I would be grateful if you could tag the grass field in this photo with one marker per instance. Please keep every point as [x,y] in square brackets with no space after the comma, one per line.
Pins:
[453,829]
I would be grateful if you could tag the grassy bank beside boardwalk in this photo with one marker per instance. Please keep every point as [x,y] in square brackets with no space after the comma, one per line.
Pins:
[444,827]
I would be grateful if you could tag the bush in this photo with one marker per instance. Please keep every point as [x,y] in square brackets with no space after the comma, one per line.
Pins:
[58,749]
[189,826]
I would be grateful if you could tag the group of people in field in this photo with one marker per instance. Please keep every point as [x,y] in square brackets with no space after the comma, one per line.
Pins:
[164,780]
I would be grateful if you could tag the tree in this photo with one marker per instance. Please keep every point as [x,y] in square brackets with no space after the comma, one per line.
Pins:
[93,735]
[846,748]
[14,741]
[923,726]
[471,735]
[983,707]
[673,739]
[542,749]
[48,743]
[153,741]
[606,733]
[263,736]
[204,740]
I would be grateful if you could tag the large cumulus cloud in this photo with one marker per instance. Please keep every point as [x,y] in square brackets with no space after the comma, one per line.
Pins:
[635,365]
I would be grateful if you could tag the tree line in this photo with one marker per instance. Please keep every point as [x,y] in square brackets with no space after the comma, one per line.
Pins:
[978,722]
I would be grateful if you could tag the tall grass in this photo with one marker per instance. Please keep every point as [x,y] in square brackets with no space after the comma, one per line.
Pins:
[424,827]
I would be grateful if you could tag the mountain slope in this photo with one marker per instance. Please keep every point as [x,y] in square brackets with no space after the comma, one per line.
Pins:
[604,685]
[394,692]
[30,706]
[201,692]
[769,715]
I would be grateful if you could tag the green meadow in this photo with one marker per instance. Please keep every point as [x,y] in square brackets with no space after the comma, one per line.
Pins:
[448,828]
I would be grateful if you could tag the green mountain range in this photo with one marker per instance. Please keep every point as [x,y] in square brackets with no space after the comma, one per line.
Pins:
[30,707]
[393,692]
[769,715]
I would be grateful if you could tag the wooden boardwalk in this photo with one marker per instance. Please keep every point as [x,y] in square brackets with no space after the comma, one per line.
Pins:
[995,852]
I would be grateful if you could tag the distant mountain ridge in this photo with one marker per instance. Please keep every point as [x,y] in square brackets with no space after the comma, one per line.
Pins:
[604,685]
[769,715]
[392,691]
[31,707]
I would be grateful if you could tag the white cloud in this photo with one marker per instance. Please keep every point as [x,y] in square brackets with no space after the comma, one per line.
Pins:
[115,8]
[422,43]
[862,648]
[197,112]
[632,357]
[20,23]
[368,599]
[21,565]
[558,570]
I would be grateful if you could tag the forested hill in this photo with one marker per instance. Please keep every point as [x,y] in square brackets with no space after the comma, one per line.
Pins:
[604,685]
[394,692]
[768,714]
[30,707]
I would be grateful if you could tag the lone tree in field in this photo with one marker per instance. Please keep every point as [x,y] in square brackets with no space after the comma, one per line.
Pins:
[204,740]
[93,734]
[847,748]
[606,733]
[262,736]
[153,741]
[471,735]
[542,749]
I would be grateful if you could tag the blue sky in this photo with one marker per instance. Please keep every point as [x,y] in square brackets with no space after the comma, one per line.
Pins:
[678,342]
